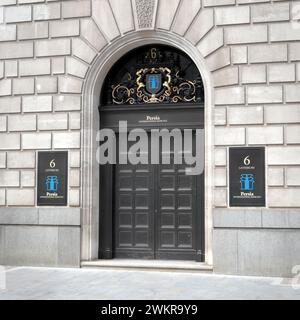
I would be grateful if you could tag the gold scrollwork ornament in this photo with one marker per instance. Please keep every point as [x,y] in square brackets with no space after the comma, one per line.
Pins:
[122,95]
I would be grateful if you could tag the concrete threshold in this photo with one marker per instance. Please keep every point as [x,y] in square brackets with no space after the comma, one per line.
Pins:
[153,265]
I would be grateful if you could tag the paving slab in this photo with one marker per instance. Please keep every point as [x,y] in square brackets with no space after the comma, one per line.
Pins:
[110,284]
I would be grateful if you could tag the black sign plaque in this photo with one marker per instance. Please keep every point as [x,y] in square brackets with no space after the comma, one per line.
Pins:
[52,184]
[247,177]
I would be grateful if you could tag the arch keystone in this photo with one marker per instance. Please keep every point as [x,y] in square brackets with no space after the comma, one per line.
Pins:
[144,13]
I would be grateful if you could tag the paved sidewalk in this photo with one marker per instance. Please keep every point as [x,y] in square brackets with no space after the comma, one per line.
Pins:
[54,283]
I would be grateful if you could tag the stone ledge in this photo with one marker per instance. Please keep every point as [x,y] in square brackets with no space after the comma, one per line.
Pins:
[40,216]
[153,265]
[260,218]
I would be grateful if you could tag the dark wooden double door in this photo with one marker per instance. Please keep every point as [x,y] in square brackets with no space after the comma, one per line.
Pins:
[157,212]
[152,211]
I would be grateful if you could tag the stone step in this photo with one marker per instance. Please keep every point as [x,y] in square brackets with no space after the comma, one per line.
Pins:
[153,265]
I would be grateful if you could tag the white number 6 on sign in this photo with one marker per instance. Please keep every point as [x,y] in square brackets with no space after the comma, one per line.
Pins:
[52,163]
[247,161]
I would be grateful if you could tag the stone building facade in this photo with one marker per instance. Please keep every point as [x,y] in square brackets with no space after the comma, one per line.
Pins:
[54,56]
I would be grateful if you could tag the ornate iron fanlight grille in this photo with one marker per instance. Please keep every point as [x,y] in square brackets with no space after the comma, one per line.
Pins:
[153,74]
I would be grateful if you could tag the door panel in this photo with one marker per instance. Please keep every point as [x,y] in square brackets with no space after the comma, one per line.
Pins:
[133,216]
[176,211]
[156,213]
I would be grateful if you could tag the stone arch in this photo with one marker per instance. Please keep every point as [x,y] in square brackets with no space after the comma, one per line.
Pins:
[112,19]
[102,44]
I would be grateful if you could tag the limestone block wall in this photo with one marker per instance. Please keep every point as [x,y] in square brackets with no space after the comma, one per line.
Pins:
[251,49]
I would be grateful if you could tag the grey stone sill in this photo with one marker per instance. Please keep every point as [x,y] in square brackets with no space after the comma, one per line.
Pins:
[256,218]
[40,216]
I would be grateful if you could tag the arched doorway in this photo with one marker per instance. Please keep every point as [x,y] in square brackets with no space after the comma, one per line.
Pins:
[153,210]
[90,102]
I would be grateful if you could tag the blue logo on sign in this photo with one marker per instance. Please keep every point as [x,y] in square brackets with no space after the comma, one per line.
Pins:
[153,81]
[247,181]
[51,183]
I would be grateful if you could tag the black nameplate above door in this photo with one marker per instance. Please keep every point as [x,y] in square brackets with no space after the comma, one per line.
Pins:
[52,181]
[247,177]
[153,116]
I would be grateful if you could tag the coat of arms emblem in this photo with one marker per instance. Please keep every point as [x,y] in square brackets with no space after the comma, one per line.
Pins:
[153,82]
